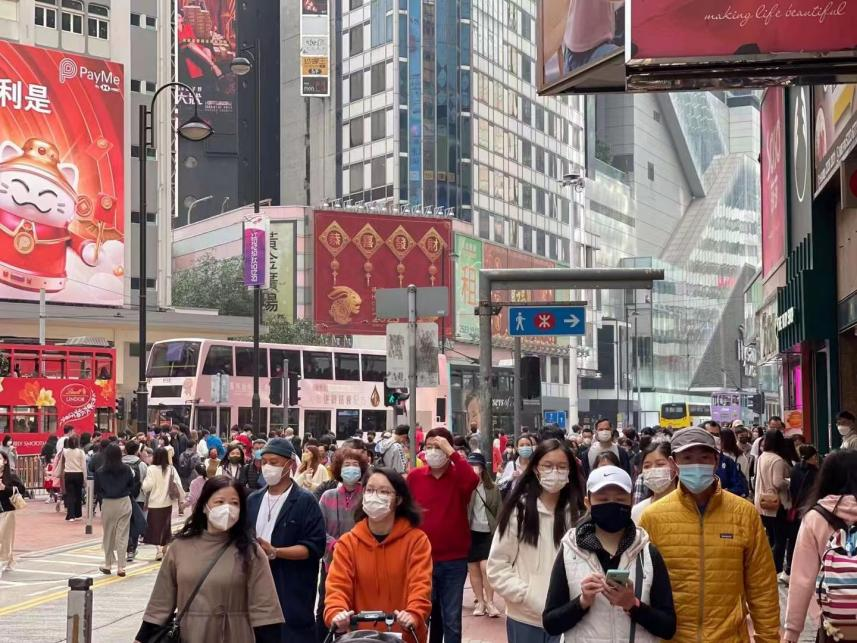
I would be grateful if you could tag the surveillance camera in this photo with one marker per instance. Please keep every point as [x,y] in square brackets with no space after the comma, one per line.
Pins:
[571,178]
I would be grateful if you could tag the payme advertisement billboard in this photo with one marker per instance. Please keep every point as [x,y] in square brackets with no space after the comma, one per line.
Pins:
[62,173]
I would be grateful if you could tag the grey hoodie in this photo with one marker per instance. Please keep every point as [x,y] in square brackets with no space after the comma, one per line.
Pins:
[131,461]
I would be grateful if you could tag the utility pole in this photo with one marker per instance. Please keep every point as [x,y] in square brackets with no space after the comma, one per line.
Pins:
[516,397]
[412,373]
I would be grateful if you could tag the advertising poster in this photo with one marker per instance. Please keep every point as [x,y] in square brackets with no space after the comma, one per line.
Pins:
[62,172]
[279,298]
[799,162]
[469,251]
[739,28]
[315,48]
[255,255]
[773,180]
[835,131]
[577,34]
[356,253]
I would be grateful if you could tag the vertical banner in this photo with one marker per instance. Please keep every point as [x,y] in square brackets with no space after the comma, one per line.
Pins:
[279,299]
[256,273]
[469,251]
[773,180]
[315,48]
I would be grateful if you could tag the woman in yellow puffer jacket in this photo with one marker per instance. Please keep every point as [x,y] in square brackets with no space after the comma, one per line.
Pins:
[716,550]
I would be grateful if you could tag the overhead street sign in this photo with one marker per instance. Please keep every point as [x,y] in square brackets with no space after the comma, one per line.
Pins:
[555,417]
[547,320]
[392,303]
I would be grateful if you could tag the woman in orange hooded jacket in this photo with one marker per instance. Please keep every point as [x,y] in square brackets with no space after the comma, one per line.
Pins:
[384,563]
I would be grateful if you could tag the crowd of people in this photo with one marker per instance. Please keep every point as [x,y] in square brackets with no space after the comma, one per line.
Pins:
[592,536]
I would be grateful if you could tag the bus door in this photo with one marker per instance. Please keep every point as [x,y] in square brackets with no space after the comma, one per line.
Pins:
[206,418]
[316,423]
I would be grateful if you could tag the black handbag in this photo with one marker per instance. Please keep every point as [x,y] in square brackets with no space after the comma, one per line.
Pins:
[170,632]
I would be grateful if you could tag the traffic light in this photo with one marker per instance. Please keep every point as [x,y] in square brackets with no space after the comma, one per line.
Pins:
[275,396]
[294,388]
[392,396]
[757,403]
[134,408]
[120,408]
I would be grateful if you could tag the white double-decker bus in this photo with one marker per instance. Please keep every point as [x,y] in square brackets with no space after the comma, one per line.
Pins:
[341,389]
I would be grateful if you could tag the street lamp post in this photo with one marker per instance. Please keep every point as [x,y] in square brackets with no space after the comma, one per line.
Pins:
[193,129]
[241,66]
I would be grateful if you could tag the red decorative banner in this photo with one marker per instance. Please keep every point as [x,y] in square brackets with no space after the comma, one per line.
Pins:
[356,253]
[773,180]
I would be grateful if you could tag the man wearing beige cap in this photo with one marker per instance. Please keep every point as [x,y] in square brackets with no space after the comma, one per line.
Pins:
[716,550]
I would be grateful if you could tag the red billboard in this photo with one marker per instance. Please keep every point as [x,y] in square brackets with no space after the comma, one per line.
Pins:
[62,172]
[356,253]
[738,29]
[495,256]
[773,179]
[835,128]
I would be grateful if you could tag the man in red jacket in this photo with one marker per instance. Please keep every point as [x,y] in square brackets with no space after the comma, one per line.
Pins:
[443,490]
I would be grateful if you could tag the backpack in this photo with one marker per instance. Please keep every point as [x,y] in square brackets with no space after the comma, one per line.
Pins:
[836,583]
[187,461]
[137,485]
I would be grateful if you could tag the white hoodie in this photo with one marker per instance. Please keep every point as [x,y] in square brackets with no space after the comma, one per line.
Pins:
[519,572]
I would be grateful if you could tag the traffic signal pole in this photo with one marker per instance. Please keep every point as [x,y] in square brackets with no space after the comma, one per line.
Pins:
[538,279]
[412,373]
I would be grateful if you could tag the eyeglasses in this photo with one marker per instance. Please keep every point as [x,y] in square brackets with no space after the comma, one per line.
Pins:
[382,493]
[549,468]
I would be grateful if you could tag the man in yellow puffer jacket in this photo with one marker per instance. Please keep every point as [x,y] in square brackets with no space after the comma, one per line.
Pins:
[716,550]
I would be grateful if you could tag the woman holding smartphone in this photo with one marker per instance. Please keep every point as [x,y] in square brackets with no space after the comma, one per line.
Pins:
[605,563]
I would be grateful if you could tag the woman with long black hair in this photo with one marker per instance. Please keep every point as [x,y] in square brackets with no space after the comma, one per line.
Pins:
[237,602]
[114,482]
[540,509]
[10,485]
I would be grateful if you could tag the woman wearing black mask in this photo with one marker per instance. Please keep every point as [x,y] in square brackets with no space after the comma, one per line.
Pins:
[607,563]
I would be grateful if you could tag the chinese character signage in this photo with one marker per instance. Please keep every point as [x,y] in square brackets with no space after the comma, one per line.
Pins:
[356,253]
[62,173]
[255,242]
[469,251]
[279,299]
[835,109]
[738,29]
[315,48]
[773,180]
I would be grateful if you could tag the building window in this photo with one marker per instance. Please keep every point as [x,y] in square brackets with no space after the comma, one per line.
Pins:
[499,230]
[540,118]
[355,178]
[379,77]
[540,242]
[526,68]
[526,26]
[527,235]
[380,22]
[151,22]
[71,21]
[527,153]
[355,4]
[540,201]
[484,184]
[379,124]
[540,159]
[526,111]
[484,225]
[136,19]
[527,198]
[46,16]
[651,171]
[97,21]
[355,40]
[355,131]
[355,86]
[564,210]
[379,172]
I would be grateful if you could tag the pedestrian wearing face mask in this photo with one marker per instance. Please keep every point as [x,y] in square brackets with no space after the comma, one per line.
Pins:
[443,490]
[728,472]
[252,473]
[773,500]
[384,562]
[483,512]
[237,599]
[515,466]
[605,440]
[659,475]
[540,509]
[290,528]
[233,463]
[846,426]
[715,547]
[609,583]
[337,506]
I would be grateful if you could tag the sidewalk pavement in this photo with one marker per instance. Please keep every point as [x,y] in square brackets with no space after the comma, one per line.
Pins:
[40,526]
[482,629]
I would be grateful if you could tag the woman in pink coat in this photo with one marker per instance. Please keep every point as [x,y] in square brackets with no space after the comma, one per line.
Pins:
[836,492]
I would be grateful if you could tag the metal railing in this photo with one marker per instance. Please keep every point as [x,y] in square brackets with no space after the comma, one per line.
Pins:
[30,470]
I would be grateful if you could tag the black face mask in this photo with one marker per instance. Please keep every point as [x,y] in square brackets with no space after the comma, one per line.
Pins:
[611,516]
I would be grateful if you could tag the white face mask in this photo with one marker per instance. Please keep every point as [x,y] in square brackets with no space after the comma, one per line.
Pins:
[222,517]
[436,458]
[717,441]
[604,435]
[272,474]
[658,479]
[375,506]
[553,481]
[843,429]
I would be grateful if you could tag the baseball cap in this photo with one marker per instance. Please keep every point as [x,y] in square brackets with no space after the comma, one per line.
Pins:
[693,437]
[477,458]
[609,476]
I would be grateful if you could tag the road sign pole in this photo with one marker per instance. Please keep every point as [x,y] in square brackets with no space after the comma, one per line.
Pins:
[573,403]
[516,397]
[412,373]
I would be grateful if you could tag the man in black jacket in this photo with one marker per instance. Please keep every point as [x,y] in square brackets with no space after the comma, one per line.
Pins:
[290,530]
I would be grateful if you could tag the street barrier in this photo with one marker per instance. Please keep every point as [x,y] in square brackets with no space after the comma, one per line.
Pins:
[30,470]
[79,611]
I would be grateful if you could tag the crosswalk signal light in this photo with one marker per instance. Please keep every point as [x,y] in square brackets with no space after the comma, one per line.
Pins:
[294,388]
[120,408]
[392,396]
[276,394]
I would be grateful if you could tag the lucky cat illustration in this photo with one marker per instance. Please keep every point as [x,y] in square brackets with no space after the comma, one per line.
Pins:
[41,215]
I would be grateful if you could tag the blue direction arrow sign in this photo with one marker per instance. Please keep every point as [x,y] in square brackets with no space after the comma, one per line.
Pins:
[547,320]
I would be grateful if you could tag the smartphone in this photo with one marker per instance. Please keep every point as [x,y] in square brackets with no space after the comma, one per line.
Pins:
[618,576]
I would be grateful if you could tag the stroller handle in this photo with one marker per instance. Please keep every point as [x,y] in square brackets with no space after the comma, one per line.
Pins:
[373,617]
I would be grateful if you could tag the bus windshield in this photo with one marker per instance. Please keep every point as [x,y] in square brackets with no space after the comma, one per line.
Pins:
[173,359]
[673,411]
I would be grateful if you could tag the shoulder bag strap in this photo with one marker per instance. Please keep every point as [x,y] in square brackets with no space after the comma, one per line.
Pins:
[638,590]
[199,584]
[832,519]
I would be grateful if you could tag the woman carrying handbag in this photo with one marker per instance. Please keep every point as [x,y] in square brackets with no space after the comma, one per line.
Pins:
[12,492]
[232,597]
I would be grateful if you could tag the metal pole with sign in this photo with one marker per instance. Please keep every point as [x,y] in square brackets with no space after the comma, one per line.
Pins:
[412,373]
[516,396]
